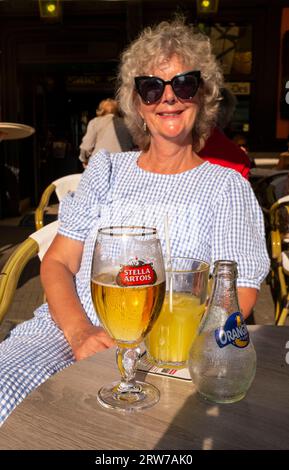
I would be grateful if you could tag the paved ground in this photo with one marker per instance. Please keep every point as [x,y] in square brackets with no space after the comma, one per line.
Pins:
[29,294]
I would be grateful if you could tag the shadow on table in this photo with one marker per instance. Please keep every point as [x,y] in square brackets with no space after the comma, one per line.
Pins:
[259,421]
[199,426]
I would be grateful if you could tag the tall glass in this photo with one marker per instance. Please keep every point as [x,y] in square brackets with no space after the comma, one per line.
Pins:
[172,335]
[128,287]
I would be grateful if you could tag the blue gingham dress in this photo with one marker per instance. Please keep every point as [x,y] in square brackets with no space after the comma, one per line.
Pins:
[212,214]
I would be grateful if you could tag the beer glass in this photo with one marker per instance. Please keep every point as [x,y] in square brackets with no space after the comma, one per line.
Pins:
[172,335]
[128,287]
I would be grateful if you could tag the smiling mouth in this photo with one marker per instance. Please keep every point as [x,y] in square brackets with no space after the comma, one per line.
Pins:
[170,114]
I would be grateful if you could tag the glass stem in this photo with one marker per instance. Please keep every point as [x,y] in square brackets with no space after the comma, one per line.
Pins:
[127,360]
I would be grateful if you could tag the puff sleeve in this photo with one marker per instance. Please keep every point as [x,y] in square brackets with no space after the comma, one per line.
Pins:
[79,210]
[238,231]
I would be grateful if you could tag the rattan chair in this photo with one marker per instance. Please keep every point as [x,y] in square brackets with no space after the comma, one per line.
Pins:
[279,253]
[272,194]
[61,187]
[36,244]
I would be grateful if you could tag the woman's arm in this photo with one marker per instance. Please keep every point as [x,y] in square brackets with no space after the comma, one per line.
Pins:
[247,297]
[89,139]
[60,264]
[239,235]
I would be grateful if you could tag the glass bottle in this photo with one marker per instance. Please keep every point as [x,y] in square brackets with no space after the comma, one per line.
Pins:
[222,360]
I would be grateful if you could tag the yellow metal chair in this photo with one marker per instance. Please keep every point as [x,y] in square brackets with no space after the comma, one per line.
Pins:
[37,243]
[61,187]
[279,251]
[272,194]
[268,191]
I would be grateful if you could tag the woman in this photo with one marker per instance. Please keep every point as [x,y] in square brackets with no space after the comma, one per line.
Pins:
[169,94]
[107,130]
[221,150]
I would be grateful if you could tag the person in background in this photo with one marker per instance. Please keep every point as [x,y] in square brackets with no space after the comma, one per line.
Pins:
[241,141]
[219,149]
[283,163]
[169,93]
[106,131]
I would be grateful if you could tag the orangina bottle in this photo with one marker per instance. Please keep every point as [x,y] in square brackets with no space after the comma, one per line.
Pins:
[222,360]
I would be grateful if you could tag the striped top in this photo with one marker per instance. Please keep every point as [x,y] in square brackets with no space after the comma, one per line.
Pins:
[212,211]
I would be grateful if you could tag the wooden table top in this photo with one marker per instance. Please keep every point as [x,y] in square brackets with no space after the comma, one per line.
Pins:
[63,412]
[14,131]
[258,173]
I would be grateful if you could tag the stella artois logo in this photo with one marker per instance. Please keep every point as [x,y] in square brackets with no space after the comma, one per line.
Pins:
[136,273]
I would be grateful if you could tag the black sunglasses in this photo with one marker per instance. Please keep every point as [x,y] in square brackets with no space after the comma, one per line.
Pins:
[185,86]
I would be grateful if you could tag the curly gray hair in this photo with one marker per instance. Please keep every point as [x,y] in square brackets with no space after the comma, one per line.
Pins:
[153,46]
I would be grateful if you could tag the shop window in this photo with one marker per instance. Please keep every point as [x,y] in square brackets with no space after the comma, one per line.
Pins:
[232,45]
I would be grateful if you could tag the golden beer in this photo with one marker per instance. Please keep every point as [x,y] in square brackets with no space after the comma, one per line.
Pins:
[171,337]
[127,313]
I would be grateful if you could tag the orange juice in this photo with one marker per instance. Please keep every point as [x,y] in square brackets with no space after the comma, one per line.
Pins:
[171,337]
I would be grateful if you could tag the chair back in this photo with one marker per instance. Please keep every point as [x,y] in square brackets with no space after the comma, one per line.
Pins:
[278,239]
[271,188]
[61,187]
[66,184]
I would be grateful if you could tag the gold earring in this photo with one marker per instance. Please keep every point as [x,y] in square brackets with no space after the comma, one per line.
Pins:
[144,126]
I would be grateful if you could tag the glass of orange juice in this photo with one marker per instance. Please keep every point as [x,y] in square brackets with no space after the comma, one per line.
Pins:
[170,339]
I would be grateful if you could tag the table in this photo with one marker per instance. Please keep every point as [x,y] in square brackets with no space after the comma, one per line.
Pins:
[267,162]
[261,178]
[63,412]
[13,131]
[257,173]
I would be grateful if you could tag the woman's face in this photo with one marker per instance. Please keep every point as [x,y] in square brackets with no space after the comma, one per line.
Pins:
[170,118]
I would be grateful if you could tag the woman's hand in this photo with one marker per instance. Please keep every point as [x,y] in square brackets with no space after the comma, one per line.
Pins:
[89,340]
[58,269]
[247,297]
